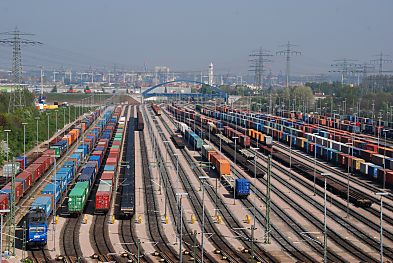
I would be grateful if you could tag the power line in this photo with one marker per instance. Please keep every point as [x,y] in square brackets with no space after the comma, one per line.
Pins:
[14,39]
[344,67]
[288,52]
[380,61]
[259,58]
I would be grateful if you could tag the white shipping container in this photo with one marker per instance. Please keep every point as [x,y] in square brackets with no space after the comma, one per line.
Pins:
[9,167]
[205,149]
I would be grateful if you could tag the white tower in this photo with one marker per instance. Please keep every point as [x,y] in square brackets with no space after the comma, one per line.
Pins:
[210,74]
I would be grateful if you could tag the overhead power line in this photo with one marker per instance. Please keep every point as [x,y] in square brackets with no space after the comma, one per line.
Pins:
[14,39]
[288,52]
[258,61]
[345,66]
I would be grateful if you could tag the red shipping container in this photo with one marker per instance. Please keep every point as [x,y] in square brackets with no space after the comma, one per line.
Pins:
[114,150]
[37,170]
[45,161]
[108,175]
[114,155]
[371,147]
[111,161]
[3,202]
[103,201]
[50,153]
[26,176]
[117,143]
[18,189]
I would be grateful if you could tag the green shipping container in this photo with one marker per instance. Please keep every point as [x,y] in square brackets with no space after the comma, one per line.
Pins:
[78,197]
[57,151]
[115,146]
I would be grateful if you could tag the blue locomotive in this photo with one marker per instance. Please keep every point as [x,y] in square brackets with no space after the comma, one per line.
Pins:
[37,217]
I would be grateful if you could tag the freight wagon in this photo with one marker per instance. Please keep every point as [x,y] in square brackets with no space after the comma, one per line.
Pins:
[127,202]
[178,141]
[240,186]
[107,175]
[156,109]
[140,123]
[82,189]
[32,172]
[355,197]
[330,145]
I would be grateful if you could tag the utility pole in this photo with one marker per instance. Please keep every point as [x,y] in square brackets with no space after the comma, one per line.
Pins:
[381,59]
[366,68]
[344,67]
[267,229]
[259,58]
[42,81]
[14,38]
[288,52]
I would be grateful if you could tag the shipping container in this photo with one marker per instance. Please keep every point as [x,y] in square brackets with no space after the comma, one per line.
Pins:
[43,202]
[242,187]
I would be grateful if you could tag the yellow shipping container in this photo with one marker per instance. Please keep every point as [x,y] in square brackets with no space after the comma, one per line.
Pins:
[357,162]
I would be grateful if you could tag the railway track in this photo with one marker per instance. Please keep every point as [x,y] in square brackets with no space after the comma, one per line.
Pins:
[220,242]
[127,230]
[69,242]
[129,240]
[188,238]
[99,233]
[345,244]
[156,232]
[260,255]
[39,256]
[332,255]
[351,227]
[278,235]
[353,179]
[102,245]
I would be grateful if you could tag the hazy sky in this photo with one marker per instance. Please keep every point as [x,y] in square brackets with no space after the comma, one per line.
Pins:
[187,35]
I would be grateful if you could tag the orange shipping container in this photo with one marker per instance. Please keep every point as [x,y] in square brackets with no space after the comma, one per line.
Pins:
[68,139]
[222,165]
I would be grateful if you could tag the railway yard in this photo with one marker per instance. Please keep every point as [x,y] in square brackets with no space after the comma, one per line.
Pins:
[180,182]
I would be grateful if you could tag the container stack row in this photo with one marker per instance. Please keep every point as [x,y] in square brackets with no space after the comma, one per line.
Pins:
[114,132]
[31,173]
[97,143]
[340,150]
[43,206]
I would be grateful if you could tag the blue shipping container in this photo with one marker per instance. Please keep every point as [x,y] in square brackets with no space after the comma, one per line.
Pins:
[242,187]
[43,202]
